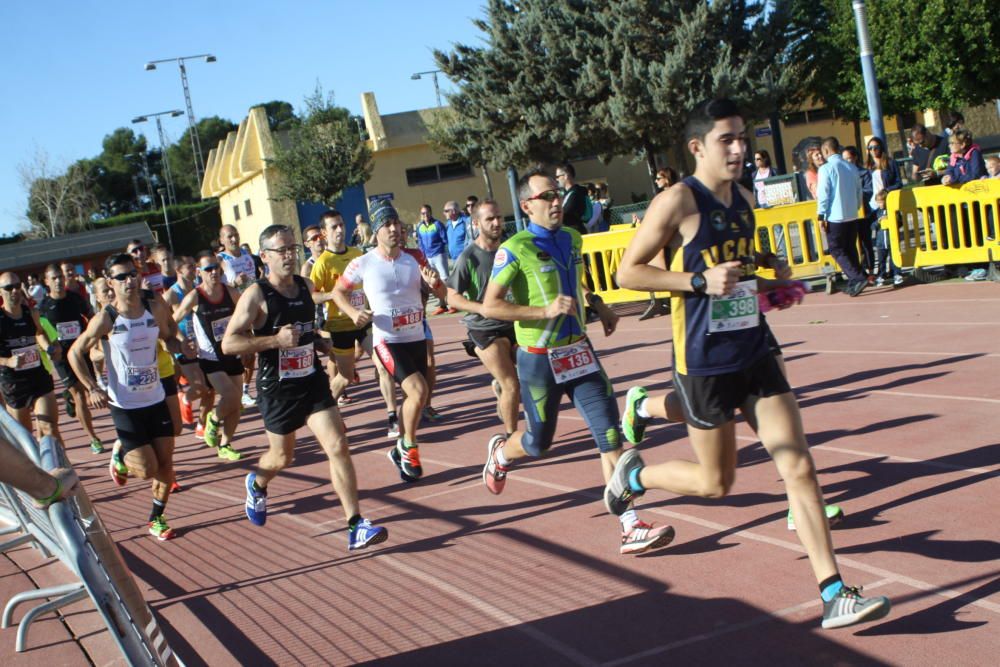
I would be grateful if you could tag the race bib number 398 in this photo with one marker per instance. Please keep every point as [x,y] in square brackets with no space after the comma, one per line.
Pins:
[736,311]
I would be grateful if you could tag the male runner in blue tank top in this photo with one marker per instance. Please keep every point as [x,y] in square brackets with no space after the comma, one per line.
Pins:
[721,356]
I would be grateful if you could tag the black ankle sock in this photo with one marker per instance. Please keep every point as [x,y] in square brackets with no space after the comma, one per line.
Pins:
[353,521]
[158,507]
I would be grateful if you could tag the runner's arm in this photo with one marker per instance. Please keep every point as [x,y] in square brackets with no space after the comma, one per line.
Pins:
[98,328]
[169,333]
[320,275]
[239,338]
[187,306]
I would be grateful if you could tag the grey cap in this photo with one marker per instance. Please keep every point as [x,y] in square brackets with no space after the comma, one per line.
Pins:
[380,213]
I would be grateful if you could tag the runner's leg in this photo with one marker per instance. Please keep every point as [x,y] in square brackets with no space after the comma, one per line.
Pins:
[83,411]
[47,415]
[279,455]
[326,425]
[498,359]
[227,410]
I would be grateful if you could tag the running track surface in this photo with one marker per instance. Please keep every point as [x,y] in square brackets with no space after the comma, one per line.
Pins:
[899,390]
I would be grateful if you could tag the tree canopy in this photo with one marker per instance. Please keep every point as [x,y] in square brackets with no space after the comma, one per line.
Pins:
[211,130]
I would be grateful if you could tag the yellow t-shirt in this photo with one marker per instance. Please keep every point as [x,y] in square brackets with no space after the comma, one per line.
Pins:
[326,271]
[164,361]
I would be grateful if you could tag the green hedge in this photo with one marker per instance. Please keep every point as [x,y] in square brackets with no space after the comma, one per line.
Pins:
[193,226]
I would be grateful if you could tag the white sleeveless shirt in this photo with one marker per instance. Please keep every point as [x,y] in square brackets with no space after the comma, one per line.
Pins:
[130,352]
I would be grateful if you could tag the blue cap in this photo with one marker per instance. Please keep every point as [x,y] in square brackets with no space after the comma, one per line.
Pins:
[380,213]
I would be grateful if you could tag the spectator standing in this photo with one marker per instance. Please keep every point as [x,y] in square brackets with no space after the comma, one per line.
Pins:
[575,199]
[36,290]
[362,236]
[926,147]
[814,160]
[884,178]
[966,162]
[850,154]
[838,198]
[456,229]
[992,167]
[762,170]
[884,266]
[432,240]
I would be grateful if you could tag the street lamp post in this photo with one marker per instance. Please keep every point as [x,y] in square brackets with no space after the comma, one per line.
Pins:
[167,175]
[434,73]
[868,69]
[166,219]
[199,164]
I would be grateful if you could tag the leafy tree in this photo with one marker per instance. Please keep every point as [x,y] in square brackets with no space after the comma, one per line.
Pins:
[58,201]
[211,130]
[280,115]
[322,156]
[110,174]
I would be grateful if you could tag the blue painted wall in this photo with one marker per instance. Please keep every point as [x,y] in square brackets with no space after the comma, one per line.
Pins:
[350,204]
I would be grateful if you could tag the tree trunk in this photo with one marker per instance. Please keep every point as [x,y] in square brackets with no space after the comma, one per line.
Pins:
[489,183]
[857,135]
[902,136]
[776,140]
[647,148]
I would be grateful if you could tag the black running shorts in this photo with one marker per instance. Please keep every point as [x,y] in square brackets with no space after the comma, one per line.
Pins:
[403,359]
[709,401]
[169,385]
[137,427]
[227,364]
[343,341]
[288,414]
[22,392]
[482,339]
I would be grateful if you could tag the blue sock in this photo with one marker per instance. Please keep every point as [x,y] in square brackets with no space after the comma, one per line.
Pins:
[828,591]
[633,481]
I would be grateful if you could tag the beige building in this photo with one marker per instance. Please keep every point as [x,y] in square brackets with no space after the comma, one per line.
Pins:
[237,172]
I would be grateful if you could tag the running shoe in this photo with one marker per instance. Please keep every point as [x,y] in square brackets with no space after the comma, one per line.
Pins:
[247,400]
[618,495]
[187,412]
[880,281]
[393,430]
[256,505]
[848,608]
[439,311]
[976,275]
[356,379]
[634,426]
[452,311]
[228,453]
[118,470]
[897,281]
[833,514]
[645,537]
[212,435]
[344,399]
[364,534]
[407,462]
[96,446]
[494,474]
[199,432]
[431,415]
[159,529]
[175,487]
[70,403]
[497,391]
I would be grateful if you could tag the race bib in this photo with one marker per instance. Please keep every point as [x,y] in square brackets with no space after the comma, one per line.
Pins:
[735,311]
[295,362]
[219,328]
[570,362]
[406,319]
[140,379]
[68,330]
[358,298]
[30,358]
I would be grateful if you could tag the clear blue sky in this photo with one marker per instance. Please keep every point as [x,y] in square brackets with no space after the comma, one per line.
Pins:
[72,72]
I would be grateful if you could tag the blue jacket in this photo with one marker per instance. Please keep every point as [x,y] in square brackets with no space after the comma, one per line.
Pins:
[890,176]
[838,192]
[457,233]
[969,166]
[431,238]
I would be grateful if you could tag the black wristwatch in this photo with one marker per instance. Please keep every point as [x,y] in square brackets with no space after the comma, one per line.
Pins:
[698,284]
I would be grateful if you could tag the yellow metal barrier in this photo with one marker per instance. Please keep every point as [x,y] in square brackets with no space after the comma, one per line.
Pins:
[602,254]
[941,224]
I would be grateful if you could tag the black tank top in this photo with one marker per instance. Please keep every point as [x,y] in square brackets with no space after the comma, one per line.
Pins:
[212,319]
[19,336]
[287,373]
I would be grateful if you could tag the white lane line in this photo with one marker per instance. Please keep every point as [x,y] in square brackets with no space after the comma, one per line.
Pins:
[907,394]
[728,629]
[790,546]
[776,325]
[499,615]
[864,302]
[795,349]
[904,459]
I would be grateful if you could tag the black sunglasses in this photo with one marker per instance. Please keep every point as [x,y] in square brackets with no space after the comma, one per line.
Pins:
[122,277]
[138,248]
[547,196]
[209,267]
[13,287]
[874,146]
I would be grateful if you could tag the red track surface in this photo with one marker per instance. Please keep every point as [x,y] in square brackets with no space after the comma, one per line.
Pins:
[900,393]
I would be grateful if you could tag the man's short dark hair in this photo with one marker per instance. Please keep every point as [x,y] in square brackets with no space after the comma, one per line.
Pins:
[305,232]
[330,213]
[122,258]
[135,242]
[205,253]
[569,169]
[51,267]
[270,232]
[523,186]
[953,118]
[831,144]
[478,206]
[472,198]
[918,128]
[702,118]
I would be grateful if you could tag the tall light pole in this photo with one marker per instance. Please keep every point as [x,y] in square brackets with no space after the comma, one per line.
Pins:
[434,73]
[199,164]
[166,219]
[167,175]
[868,68]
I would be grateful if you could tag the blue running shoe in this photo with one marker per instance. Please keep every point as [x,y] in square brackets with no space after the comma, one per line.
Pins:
[364,534]
[256,502]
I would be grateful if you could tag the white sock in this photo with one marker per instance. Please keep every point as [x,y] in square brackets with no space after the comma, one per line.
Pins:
[501,459]
[640,409]
[628,519]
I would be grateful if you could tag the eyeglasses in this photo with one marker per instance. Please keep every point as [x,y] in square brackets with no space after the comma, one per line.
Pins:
[13,287]
[758,159]
[451,210]
[122,277]
[313,239]
[547,196]
[292,249]
[209,267]
[874,147]
[138,248]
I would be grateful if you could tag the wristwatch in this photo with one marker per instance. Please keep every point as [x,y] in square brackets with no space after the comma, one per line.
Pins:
[698,284]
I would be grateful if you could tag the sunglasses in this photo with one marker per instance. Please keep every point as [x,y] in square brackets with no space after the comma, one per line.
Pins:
[313,239]
[874,147]
[547,196]
[13,287]
[138,248]
[209,267]
[122,277]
